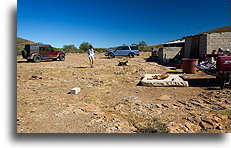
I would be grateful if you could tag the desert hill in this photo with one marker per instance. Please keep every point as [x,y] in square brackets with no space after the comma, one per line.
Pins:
[21,43]
[219,30]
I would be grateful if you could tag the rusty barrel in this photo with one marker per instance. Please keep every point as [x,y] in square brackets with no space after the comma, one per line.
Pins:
[188,65]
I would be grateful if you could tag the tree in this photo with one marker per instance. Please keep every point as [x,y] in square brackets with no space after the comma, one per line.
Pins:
[85,46]
[142,43]
[69,47]
[134,44]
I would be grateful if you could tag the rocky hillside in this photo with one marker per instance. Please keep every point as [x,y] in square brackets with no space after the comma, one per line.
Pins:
[21,43]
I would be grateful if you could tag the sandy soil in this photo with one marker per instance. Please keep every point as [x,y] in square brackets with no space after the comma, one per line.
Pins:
[111,101]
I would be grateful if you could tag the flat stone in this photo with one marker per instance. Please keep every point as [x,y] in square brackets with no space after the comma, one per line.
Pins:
[90,108]
[165,98]
[192,127]
[75,90]
[170,81]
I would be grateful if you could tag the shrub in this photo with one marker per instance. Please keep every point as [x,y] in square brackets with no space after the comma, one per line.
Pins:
[154,127]
[85,46]
[19,51]
[101,50]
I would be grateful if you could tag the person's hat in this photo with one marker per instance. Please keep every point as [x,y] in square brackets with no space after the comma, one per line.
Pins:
[227,49]
[220,49]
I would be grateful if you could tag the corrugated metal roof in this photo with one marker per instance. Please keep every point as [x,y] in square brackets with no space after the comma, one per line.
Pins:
[176,41]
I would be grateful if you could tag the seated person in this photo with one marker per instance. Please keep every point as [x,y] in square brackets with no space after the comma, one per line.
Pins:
[227,53]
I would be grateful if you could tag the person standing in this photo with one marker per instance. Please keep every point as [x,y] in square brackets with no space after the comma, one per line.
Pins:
[214,58]
[91,55]
[220,51]
[214,51]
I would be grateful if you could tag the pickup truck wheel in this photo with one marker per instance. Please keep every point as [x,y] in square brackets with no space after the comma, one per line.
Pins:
[61,57]
[37,58]
[111,55]
[131,55]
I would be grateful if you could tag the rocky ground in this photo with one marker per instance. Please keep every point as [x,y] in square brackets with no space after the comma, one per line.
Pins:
[111,101]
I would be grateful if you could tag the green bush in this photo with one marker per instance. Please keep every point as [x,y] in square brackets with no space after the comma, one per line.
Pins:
[19,51]
[145,49]
[85,46]
[70,50]
[101,50]
[154,127]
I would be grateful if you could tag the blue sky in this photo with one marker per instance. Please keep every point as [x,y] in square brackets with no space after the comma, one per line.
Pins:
[110,23]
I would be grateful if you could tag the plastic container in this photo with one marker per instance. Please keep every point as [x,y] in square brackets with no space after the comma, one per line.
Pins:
[188,65]
[179,66]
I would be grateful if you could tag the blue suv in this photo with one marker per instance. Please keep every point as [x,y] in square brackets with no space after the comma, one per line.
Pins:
[130,51]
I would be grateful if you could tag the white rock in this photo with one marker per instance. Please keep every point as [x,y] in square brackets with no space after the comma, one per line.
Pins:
[172,81]
[75,90]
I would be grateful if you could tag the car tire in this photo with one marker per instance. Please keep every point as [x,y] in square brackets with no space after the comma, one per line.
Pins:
[24,53]
[61,57]
[111,55]
[37,58]
[131,55]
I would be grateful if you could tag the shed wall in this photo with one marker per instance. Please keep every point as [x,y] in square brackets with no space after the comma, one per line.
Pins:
[218,40]
[187,47]
[167,53]
[207,43]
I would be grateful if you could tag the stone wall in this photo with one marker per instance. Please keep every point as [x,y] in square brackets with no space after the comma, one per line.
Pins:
[167,53]
[160,54]
[187,47]
[208,42]
[218,40]
[202,45]
[154,52]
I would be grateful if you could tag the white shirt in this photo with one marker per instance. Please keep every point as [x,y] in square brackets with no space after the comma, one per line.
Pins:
[91,52]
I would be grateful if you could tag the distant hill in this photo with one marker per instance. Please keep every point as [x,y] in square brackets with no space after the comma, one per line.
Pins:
[21,43]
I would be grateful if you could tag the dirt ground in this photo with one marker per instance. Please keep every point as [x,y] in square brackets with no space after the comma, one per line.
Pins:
[111,101]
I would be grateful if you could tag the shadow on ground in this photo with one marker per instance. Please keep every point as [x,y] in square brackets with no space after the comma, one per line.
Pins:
[170,64]
[103,58]
[117,57]
[81,67]
[203,82]
[35,62]
[175,72]
[22,62]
